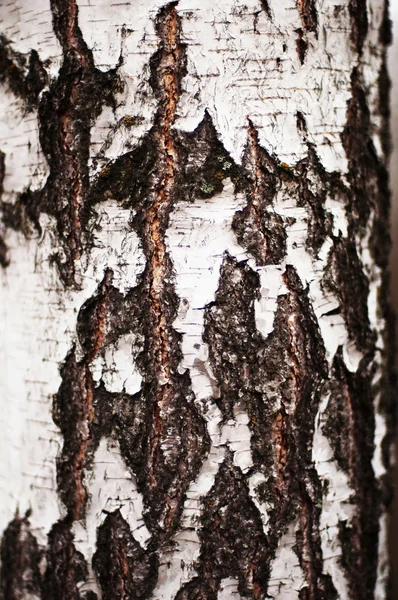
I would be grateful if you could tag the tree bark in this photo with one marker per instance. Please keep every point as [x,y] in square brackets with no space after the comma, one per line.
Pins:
[197,347]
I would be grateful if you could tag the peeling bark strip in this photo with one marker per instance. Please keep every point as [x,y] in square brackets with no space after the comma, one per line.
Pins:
[215,371]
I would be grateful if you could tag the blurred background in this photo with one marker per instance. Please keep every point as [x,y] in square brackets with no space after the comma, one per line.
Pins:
[393,66]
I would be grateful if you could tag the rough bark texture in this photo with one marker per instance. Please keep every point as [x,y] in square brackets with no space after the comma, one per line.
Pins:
[197,396]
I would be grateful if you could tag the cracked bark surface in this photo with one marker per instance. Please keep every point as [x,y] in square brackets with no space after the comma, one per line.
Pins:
[214,376]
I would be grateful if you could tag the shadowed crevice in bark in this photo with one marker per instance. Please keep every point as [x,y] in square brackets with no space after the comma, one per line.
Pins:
[123,568]
[350,428]
[279,381]
[20,559]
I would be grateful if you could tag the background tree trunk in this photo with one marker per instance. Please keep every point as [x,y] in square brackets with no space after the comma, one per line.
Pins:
[196,341]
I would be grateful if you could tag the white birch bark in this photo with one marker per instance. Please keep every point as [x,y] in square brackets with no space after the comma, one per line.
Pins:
[242,66]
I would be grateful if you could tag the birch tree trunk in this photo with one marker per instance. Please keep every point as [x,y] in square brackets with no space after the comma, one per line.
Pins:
[196,342]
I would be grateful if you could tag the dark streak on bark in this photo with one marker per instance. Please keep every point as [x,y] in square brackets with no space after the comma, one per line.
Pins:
[350,427]
[359,23]
[4,261]
[301,45]
[124,570]
[20,559]
[266,8]
[367,175]
[308,14]
[345,278]
[169,464]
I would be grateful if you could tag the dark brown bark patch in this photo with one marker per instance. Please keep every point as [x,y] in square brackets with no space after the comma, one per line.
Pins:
[20,559]
[232,540]
[73,409]
[279,381]
[350,427]
[66,111]
[66,567]
[25,76]
[125,571]
[367,175]
[345,278]
[262,232]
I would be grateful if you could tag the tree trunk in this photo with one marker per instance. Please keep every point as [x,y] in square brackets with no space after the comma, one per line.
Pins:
[196,342]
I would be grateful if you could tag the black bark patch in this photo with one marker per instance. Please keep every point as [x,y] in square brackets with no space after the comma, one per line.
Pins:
[123,568]
[73,409]
[258,228]
[359,23]
[367,175]
[3,247]
[301,45]
[350,428]
[232,539]
[65,566]
[384,88]
[314,184]
[205,162]
[25,76]
[345,278]
[279,381]
[230,331]
[20,559]
[308,14]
